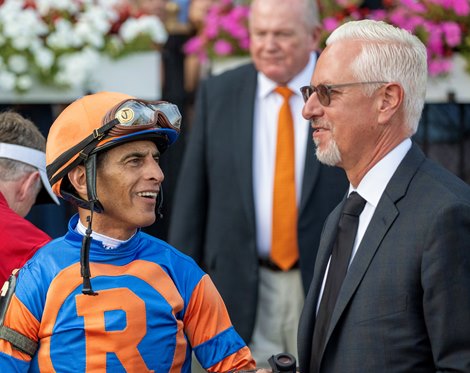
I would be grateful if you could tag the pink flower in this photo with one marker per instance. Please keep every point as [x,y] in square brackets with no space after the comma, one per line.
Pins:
[222,48]
[413,5]
[225,31]
[442,25]
[439,66]
[193,45]
[378,15]
[461,7]
[452,33]
[435,43]
[330,24]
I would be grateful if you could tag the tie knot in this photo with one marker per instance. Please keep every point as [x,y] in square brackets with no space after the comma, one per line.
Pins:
[284,92]
[354,204]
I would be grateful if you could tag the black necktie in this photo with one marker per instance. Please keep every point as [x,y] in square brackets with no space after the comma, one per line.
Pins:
[340,256]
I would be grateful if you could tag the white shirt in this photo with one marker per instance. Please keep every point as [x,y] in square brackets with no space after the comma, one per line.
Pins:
[267,105]
[371,189]
[109,243]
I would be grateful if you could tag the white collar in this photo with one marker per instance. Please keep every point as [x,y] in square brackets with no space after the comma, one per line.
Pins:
[375,181]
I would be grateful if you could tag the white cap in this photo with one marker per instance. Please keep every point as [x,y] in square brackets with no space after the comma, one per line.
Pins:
[35,158]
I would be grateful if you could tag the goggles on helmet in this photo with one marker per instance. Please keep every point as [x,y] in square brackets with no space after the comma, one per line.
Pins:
[127,117]
[141,114]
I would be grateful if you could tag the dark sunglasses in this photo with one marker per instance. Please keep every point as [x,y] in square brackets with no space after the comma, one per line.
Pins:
[324,91]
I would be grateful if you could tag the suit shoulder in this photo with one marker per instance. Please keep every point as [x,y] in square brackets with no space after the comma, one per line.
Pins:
[232,76]
[446,183]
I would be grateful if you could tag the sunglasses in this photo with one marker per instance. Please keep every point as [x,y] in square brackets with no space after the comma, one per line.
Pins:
[136,115]
[324,91]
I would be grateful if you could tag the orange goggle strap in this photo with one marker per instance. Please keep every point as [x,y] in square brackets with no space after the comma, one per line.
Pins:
[83,149]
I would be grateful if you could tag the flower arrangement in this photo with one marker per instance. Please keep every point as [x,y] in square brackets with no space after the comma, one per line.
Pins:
[223,33]
[59,42]
[442,25]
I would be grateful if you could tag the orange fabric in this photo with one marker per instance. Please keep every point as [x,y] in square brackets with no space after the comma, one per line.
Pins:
[284,246]
[75,123]
[29,329]
[240,360]
[69,279]
[122,342]
[210,322]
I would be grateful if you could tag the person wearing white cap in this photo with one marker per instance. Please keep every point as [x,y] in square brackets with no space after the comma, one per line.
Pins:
[23,182]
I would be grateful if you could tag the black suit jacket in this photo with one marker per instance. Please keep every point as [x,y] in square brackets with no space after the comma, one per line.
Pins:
[405,302]
[213,217]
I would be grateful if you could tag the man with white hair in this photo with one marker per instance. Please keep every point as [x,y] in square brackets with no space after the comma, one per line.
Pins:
[391,285]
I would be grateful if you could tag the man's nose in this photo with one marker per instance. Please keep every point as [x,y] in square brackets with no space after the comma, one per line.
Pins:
[312,108]
[155,171]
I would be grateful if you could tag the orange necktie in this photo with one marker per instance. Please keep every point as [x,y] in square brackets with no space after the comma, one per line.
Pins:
[284,246]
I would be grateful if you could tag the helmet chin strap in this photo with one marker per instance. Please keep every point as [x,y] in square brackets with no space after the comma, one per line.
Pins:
[85,257]
[160,203]
[90,170]
[94,205]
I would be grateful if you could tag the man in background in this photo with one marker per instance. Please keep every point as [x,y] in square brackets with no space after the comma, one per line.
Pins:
[230,211]
[23,182]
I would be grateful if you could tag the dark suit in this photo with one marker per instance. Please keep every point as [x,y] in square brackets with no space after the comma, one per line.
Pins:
[213,216]
[405,302]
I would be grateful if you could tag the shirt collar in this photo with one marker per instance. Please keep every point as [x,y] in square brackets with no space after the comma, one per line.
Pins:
[375,181]
[108,242]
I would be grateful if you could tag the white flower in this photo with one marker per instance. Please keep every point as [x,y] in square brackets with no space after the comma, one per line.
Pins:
[151,25]
[18,63]
[24,82]
[85,32]
[64,36]
[60,42]
[7,81]
[21,26]
[44,58]
[68,6]
[75,69]
[101,18]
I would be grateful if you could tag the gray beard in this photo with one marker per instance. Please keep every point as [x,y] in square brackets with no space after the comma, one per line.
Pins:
[329,156]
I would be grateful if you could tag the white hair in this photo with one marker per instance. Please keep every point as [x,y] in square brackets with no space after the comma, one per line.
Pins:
[389,54]
[310,12]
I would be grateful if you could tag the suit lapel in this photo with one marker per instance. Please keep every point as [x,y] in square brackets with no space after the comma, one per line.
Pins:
[325,247]
[383,218]
[307,321]
[242,134]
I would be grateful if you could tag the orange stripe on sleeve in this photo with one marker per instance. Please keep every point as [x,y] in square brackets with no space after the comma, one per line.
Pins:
[240,360]
[20,319]
[206,315]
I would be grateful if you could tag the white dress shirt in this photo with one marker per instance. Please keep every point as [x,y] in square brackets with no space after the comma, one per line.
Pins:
[267,105]
[371,189]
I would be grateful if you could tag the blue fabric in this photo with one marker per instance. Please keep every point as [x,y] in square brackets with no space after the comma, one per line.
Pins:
[212,350]
[157,282]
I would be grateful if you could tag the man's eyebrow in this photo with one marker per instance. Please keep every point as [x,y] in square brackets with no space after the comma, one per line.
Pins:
[139,154]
